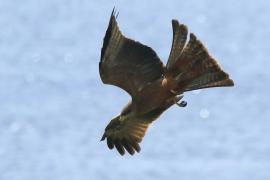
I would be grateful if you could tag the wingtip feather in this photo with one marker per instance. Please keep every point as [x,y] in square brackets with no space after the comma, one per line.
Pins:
[230,82]
[175,23]
[103,137]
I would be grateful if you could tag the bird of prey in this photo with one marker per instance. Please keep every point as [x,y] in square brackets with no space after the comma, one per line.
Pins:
[153,87]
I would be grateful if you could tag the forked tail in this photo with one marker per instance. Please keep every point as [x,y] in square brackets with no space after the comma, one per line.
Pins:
[190,66]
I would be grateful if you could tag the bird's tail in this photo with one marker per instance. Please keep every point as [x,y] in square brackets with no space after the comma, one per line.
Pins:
[195,69]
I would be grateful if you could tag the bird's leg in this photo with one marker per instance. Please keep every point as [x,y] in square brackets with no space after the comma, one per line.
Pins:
[182,103]
[174,92]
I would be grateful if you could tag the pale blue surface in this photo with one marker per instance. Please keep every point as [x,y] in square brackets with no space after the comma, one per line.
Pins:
[53,106]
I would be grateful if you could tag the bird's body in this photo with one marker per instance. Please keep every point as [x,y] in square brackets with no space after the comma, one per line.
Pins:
[153,87]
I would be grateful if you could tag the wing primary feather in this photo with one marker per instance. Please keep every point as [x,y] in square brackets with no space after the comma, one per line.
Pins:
[119,147]
[134,144]
[103,137]
[107,35]
[110,143]
[128,147]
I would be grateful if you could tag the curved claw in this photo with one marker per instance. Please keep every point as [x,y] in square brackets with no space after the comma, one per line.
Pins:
[181,104]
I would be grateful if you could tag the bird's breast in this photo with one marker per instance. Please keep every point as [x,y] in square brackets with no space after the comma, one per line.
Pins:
[152,96]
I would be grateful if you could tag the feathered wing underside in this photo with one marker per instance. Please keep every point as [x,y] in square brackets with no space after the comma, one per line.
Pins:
[126,131]
[125,63]
[191,65]
[125,134]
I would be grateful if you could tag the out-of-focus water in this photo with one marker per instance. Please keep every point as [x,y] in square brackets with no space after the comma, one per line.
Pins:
[53,106]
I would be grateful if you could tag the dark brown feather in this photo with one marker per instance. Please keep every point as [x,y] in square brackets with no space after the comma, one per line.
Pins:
[110,143]
[128,147]
[134,144]
[179,40]
[127,64]
[119,147]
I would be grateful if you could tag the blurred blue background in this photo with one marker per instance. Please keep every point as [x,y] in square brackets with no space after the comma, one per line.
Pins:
[54,107]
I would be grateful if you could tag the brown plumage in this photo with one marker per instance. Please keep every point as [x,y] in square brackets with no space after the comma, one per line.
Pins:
[153,87]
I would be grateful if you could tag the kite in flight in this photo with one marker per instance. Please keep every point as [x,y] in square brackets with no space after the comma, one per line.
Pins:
[154,88]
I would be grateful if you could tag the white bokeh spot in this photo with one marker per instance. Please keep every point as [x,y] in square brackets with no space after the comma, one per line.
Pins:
[204,113]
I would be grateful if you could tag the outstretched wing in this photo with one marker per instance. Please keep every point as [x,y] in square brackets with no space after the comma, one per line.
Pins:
[125,131]
[125,63]
[125,134]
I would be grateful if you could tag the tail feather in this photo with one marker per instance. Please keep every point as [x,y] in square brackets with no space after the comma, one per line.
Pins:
[196,69]
[221,83]
[207,80]
[193,54]
[179,40]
